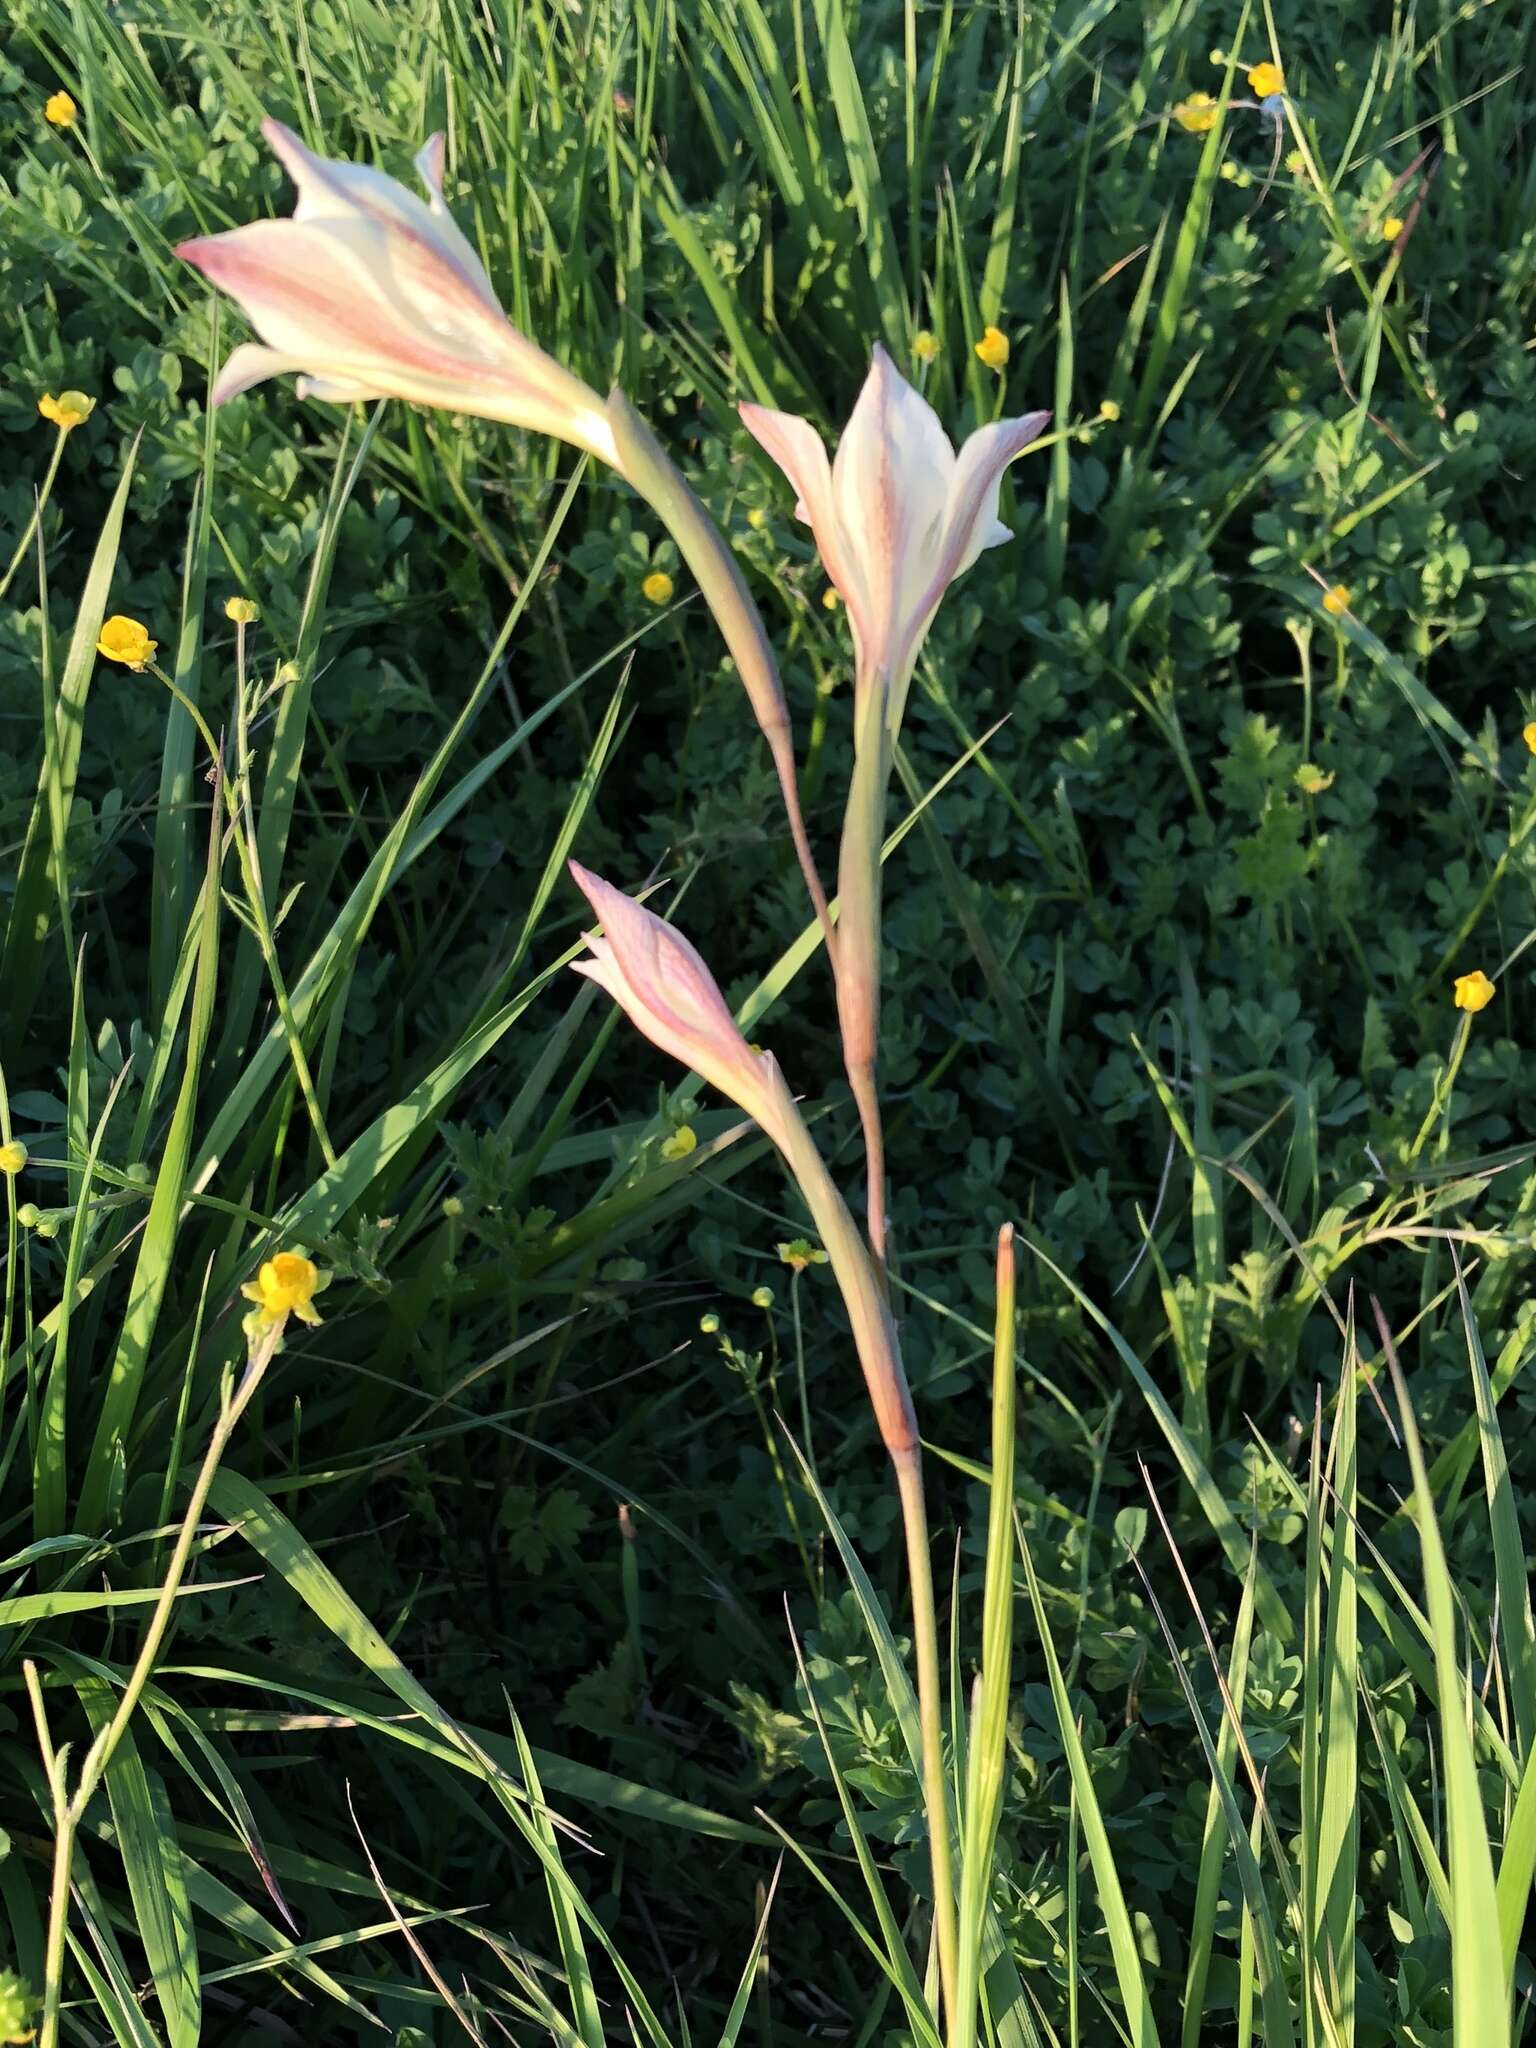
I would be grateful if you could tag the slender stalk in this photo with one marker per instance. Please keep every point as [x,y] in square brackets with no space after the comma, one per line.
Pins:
[1447,1082]
[69,1812]
[651,472]
[866,1096]
[925,1635]
[242,823]
[859,916]
[37,510]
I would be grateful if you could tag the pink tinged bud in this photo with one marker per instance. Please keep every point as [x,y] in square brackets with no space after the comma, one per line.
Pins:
[370,292]
[663,986]
[897,515]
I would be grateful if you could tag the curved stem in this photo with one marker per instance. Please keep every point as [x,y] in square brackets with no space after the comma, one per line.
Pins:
[38,503]
[69,1813]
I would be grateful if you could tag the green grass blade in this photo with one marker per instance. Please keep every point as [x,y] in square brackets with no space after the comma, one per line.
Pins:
[1479,1984]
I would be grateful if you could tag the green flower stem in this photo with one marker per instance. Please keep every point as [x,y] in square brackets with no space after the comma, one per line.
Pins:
[243,831]
[1447,1082]
[37,510]
[70,1811]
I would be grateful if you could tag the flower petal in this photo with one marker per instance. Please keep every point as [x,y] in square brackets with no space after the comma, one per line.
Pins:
[800,452]
[889,480]
[250,364]
[332,189]
[970,511]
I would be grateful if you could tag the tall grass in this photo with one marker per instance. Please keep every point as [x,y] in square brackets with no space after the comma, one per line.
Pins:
[298,1008]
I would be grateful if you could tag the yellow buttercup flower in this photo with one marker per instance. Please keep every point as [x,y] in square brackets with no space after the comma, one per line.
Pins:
[1266,79]
[13,1157]
[61,110]
[242,611]
[1391,228]
[993,348]
[285,1285]
[830,599]
[925,346]
[1336,600]
[1295,163]
[125,640]
[762,1297]
[1473,991]
[1197,114]
[682,1141]
[69,410]
[757,518]
[1312,780]
[657,587]
[1528,734]
[799,1252]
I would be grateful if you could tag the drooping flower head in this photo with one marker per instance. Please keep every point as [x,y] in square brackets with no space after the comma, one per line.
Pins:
[1473,991]
[370,292]
[897,514]
[664,987]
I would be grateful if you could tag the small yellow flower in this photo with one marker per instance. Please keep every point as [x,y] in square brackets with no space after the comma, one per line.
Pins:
[1219,58]
[799,1253]
[1295,163]
[1197,114]
[1109,410]
[709,1324]
[830,599]
[1390,228]
[1528,734]
[682,1141]
[1473,991]
[657,587]
[762,1297]
[1312,780]
[1336,600]
[286,1285]
[757,518]
[242,611]
[1265,80]
[993,348]
[61,110]
[125,640]
[68,411]
[925,346]
[13,1157]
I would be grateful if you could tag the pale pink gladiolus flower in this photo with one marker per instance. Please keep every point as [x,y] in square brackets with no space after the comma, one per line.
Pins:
[897,514]
[371,292]
[662,984]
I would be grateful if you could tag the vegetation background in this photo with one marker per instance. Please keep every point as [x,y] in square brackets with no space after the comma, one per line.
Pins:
[1170,954]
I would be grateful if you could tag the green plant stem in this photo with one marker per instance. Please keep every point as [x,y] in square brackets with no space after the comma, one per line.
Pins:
[925,1636]
[242,823]
[37,511]
[1442,1096]
[69,1812]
